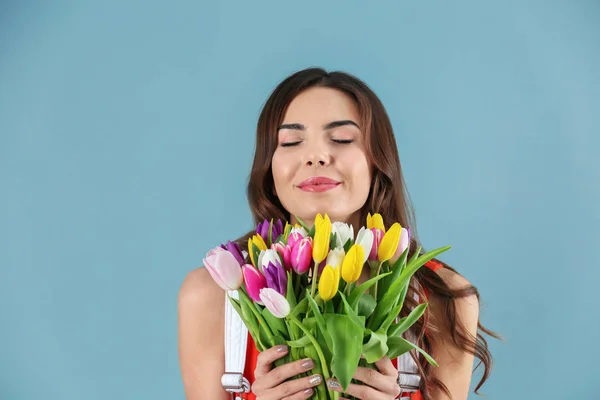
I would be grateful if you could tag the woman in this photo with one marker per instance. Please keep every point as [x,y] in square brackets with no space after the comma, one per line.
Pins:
[325,145]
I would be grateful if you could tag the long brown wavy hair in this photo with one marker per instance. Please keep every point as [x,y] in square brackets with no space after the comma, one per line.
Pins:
[388,196]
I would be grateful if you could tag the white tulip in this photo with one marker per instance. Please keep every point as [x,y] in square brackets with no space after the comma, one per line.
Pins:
[266,257]
[365,239]
[343,233]
[335,257]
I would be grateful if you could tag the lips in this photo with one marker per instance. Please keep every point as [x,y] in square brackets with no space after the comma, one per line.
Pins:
[318,184]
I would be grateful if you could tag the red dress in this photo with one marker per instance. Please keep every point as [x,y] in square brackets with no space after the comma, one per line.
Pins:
[252,352]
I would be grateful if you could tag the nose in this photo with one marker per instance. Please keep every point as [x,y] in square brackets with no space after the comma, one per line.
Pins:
[318,158]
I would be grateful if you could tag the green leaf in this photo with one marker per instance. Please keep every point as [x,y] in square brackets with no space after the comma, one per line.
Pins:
[270,233]
[376,347]
[290,296]
[398,346]
[415,255]
[348,244]
[332,240]
[397,288]
[277,325]
[320,320]
[248,318]
[347,339]
[359,290]
[302,342]
[256,254]
[302,223]
[390,318]
[395,269]
[300,307]
[312,353]
[360,321]
[286,232]
[405,323]
[366,305]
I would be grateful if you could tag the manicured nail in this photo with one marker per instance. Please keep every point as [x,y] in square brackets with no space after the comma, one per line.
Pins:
[308,392]
[282,348]
[333,384]
[315,379]
[307,364]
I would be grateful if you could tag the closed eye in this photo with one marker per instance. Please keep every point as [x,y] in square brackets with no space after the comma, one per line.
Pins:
[342,141]
[290,144]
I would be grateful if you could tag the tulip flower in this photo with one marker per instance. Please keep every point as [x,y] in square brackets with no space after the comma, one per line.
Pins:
[255,281]
[336,257]
[284,253]
[276,277]
[234,249]
[266,257]
[365,238]
[296,234]
[275,302]
[301,255]
[263,229]
[389,243]
[377,237]
[375,222]
[343,231]
[353,264]
[329,282]
[224,268]
[402,244]
[258,241]
[322,238]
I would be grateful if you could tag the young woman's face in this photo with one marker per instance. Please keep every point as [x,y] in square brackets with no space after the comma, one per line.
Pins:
[320,164]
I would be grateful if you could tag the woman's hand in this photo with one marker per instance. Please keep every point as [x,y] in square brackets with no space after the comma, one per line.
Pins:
[381,384]
[268,383]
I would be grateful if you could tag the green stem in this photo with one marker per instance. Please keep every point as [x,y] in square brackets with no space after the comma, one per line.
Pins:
[377,283]
[258,315]
[314,343]
[313,288]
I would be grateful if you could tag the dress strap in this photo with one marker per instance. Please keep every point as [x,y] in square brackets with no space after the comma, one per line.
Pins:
[236,342]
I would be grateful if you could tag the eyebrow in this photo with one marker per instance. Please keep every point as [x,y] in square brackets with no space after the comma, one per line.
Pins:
[331,125]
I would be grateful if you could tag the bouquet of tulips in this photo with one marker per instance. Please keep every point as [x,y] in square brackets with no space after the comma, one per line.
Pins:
[300,288]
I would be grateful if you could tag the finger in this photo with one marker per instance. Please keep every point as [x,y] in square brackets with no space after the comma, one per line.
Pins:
[386,367]
[301,388]
[268,357]
[359,391]
[283,372]
[376,380]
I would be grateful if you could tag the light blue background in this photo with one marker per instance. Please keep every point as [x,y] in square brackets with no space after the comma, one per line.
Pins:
[119,119]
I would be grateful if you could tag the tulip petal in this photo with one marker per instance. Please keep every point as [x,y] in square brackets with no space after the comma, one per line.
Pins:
[275,302]
[389,243]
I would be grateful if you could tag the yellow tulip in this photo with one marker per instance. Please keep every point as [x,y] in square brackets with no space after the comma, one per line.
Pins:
[375,221]
[322,238]
[353,263]
[329,282]
[389,243]
[258,241]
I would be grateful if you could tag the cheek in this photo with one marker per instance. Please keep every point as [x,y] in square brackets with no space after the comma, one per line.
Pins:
[281,168]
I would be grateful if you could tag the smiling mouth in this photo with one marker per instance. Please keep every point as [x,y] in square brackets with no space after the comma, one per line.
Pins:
[318,184]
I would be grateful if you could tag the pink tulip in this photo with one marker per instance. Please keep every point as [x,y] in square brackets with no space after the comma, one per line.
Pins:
[301,257]
[377,236]
[275,302]
[296,235]
[402,244]
[224,268]
[255,282]
[285,253]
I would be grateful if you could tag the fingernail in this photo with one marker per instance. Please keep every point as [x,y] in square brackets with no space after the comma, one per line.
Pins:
[333,384]
[315,379]
[282,348]
[307,364]
[308,392]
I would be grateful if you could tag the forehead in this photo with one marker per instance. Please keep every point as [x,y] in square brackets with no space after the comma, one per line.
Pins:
[320,105]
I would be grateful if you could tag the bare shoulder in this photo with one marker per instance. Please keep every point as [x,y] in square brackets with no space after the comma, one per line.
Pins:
[201,305]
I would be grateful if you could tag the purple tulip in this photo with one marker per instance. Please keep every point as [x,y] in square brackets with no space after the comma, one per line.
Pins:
[301,257]
[224,268]
[255,281]
[276,277]
[263,230]
[275,302]
[234,249]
